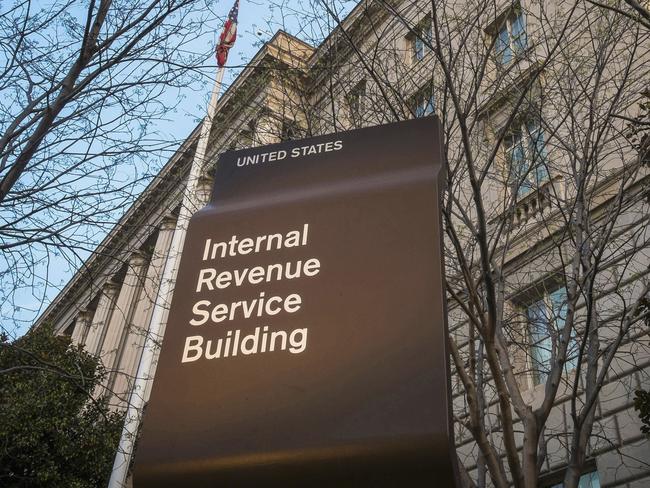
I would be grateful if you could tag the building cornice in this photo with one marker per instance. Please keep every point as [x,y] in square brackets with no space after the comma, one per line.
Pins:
[99,265]
[126,233]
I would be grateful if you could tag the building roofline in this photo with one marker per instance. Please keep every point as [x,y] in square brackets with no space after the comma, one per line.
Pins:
[346,23]
[256,62]
[131,214]
[140,203]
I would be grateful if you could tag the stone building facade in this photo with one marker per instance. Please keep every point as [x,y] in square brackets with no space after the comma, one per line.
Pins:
[377,66]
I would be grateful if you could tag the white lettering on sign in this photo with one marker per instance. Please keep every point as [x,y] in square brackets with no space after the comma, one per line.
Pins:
[267,242]
[260,341]
[296,152]
[207,312]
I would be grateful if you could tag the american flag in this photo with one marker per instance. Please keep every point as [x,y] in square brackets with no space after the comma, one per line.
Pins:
[228,35]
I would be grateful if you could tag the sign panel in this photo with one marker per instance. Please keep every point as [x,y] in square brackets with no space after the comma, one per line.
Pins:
[305,345]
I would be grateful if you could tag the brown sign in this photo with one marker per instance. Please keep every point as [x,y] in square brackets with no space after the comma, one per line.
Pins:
[305,345]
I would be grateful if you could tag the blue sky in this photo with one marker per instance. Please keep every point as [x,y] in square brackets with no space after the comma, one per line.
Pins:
[258,20]
[253,15]
[55,269]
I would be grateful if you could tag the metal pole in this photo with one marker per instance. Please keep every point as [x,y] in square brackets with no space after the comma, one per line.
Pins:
[163,299]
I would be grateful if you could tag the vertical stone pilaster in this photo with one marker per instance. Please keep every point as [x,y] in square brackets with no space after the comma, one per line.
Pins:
[139,325]
[101,317]
[81,327]
[154,365]
[124,307]
[158,341]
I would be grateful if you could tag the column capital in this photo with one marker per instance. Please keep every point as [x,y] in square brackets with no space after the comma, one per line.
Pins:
[204,188]
[168,222]
[81,326]
[85,315]
[206,179]
[110,287]
[137,258]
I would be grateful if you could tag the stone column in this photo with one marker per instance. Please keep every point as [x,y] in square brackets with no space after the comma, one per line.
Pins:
[124,307]
[139,325]
[154,365]
[158,341]
[101,317]
[81,326]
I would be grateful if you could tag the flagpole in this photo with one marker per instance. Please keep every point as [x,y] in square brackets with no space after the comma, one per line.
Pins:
[165,291]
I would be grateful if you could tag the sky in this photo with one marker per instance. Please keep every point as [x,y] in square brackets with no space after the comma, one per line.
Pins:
[258,21]
[256,24]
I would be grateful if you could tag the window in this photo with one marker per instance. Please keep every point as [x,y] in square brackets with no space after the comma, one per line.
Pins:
[424,103]
[546,318]
[356,102]
[511,39]
[526,157]
[587,480]
[420,40]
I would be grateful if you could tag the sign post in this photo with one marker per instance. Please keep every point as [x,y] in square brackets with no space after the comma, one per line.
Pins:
[306,341]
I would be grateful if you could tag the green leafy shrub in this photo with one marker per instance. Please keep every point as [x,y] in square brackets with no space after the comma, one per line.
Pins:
[52,432]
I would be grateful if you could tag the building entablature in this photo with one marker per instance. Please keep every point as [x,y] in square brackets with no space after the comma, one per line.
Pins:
[163,195]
